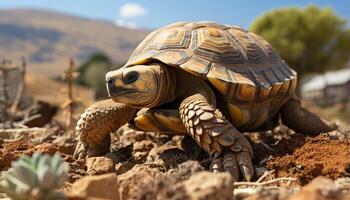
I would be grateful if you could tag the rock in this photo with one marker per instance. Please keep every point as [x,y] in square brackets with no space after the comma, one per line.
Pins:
[144,145]
[168,156]
[122,167]
[142,148]
[131,181]
[64,145]
[115,157]
[99,165]
[185,170]
[320,188]
[207,185]
[45,112]
[46,148]
[101,186]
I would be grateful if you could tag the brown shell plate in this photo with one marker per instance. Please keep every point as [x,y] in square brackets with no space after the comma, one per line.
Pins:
[243,67]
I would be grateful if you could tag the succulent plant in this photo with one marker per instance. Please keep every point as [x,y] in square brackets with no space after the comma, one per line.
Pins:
[35,178]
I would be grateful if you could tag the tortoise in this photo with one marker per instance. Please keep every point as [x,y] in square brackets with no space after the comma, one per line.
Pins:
[211,81]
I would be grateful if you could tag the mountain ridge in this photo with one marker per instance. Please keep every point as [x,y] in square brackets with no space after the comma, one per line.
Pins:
[49,38]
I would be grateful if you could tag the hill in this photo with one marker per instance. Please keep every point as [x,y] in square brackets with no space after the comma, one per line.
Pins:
[48,39]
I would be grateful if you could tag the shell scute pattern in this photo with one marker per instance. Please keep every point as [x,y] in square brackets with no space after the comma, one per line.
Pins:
[242,66]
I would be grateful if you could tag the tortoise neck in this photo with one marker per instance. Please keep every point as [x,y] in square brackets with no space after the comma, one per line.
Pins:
[167,86]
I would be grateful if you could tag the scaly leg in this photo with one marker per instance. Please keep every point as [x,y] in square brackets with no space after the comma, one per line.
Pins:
[96,124]
[303,121]
[229,149]
[160,120]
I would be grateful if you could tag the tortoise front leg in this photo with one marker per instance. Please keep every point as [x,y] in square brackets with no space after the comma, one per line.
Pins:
[229,149]
[96,124]
[297,118]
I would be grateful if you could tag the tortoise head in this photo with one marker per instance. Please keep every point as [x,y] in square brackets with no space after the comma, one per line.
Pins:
[136,86]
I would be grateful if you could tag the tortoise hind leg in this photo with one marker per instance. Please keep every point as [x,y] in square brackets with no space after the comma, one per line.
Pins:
[303,121]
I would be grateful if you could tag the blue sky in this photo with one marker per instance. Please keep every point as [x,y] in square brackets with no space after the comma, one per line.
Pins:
[152,14]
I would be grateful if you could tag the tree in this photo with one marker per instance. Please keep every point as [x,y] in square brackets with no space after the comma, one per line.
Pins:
[309,40]
[93,71]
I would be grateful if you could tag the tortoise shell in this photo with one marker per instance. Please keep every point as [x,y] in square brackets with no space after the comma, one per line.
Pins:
[243,67]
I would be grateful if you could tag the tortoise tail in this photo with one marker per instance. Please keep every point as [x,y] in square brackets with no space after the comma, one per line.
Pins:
[303,121]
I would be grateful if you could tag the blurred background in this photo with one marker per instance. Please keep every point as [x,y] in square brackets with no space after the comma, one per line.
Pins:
[54,54]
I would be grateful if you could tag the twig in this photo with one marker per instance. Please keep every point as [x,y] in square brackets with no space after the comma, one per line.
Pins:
[265,175]
[27,119]
[14,140]
[264,183]
[20,130]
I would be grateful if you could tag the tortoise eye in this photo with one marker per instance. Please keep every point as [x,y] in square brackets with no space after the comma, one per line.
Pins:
[130,77]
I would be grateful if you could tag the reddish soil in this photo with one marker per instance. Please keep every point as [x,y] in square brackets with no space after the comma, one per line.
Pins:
[294,155]
[317,156]
[11,151]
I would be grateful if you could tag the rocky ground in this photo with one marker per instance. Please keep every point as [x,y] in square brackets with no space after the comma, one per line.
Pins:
[143,165]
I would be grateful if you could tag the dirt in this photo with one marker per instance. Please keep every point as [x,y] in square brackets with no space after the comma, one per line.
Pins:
[11,151]
[289,154]
[317,156]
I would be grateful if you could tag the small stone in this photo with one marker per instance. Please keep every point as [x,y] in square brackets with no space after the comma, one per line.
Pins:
[168,156]
[116,158]
[64,145]
[185,170]
[46,148]
[206,185]
[122,167]
[321,188]
[101,186]
[99,165]
[144,145]
[131,181]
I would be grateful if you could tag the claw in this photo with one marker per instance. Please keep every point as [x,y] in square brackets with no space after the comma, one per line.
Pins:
[230,170]
[246,173]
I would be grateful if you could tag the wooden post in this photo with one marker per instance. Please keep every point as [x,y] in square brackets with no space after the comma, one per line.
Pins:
[21,87]
[69,77]
[5,67]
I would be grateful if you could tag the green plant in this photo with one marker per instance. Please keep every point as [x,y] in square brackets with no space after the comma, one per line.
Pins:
[35,178]
[310,39]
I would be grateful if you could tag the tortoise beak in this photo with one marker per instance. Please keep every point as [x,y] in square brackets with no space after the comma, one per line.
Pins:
[110,84]
[114,90]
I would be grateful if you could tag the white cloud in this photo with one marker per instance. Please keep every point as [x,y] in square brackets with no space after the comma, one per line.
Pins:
[131,10]
[126,24]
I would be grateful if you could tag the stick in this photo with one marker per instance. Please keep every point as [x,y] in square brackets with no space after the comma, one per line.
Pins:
[265,175]
[264,183]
